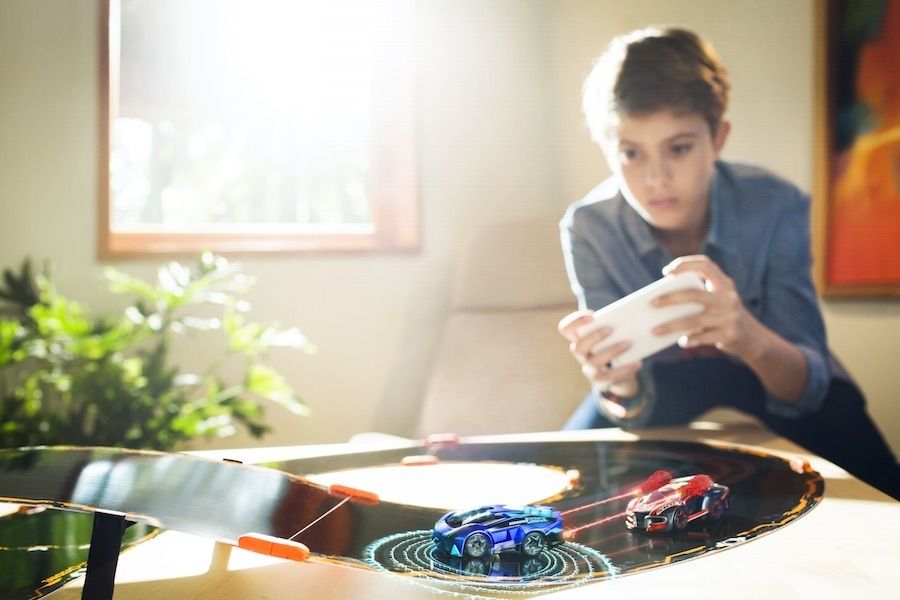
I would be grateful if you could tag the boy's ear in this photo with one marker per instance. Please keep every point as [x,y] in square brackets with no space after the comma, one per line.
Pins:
[722,132]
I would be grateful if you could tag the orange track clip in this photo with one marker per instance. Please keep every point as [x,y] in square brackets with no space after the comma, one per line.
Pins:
[355,495]
[799,464]
[273,546]
[418,460]
[442,439]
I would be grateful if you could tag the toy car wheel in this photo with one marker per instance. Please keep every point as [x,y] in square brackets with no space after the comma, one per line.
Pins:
[716,508]
[477,567]
[533,543]
[679,519]
[477,545]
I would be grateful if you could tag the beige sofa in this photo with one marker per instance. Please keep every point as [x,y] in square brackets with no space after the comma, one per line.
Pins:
[502,366]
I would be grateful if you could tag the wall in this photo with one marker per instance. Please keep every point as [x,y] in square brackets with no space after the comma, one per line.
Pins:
[500,136]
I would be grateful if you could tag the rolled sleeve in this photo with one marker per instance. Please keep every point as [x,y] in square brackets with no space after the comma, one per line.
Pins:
[793,308]
[813,395]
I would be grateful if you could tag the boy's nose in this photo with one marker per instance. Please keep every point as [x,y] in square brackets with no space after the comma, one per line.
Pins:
[655,173]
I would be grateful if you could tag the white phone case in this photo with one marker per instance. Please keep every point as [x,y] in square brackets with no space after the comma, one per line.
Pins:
[633,317]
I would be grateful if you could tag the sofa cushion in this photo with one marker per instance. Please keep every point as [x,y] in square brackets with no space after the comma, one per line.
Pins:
[513,264]
[502,372]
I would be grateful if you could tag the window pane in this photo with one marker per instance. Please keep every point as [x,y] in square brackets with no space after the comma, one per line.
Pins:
[237,113]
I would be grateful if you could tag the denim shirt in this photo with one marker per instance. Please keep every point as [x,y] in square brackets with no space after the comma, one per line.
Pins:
[758,235]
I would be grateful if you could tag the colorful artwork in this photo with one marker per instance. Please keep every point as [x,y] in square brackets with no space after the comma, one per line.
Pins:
[862,246]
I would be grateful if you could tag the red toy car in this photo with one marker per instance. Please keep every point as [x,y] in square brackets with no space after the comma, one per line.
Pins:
[676,503]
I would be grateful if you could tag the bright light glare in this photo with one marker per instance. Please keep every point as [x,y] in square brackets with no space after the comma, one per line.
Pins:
[453,485]
[170,555]
[7,508]
[244,112]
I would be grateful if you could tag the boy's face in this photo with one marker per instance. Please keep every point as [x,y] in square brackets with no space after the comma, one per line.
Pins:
[664,162]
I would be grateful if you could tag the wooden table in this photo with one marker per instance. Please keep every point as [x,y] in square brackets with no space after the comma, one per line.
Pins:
[848,546]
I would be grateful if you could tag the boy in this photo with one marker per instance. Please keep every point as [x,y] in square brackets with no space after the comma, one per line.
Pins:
[655,103]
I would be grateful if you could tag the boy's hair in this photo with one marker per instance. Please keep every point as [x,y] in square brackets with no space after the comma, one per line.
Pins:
[655,69]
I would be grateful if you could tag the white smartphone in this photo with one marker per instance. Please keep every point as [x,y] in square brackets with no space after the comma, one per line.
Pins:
[633,317]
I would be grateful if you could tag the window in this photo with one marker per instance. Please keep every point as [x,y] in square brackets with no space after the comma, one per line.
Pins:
[256,126]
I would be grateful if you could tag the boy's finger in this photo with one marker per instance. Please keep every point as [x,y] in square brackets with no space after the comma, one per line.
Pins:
[607,377]
[675,265]
[571,322]
[702,338]
[586,344]
[623,372]
[682,296]
[692,323]
[701,264]
[600,357]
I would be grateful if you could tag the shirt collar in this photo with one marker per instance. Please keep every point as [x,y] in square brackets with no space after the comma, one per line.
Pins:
[638,230]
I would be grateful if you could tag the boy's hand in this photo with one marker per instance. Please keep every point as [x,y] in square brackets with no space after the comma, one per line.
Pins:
[594,356]
[724,322]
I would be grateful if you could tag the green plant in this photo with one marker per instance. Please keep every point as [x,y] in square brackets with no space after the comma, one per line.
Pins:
[67,378]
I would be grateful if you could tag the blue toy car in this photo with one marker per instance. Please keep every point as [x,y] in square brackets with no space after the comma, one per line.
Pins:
[498,528]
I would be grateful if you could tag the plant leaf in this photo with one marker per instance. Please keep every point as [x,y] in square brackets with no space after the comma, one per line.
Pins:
[268,383]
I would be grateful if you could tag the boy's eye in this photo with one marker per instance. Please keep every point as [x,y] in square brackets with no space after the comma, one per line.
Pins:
[628,154]
[680,149]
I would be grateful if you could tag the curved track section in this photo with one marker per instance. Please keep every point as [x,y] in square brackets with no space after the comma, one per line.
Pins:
[412,554]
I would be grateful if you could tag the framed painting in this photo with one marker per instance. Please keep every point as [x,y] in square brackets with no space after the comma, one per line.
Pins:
[857,216]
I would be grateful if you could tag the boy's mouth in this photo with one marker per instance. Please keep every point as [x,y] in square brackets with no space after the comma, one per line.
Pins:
[663,202]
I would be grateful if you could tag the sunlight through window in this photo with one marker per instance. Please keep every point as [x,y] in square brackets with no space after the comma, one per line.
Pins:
[265,125]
